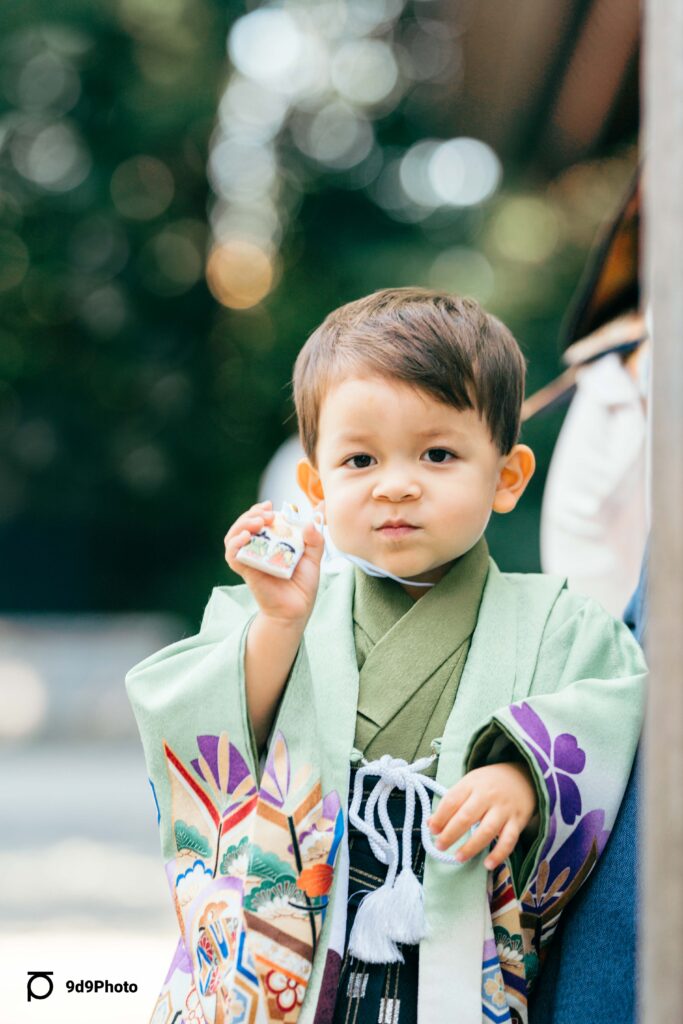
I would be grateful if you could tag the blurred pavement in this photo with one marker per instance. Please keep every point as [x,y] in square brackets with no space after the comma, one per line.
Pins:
[82,887]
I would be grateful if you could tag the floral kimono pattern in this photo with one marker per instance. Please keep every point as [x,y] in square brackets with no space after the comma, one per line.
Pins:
[521,927]
[257,859]
[250,883]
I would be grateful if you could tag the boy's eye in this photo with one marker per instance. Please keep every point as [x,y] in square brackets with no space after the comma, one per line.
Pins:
[439,455]
[364,461]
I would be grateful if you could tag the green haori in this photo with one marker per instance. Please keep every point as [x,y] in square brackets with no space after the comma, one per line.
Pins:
[255,854]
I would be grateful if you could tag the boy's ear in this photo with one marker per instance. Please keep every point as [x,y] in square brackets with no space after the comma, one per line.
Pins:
[514,475]
[308,479]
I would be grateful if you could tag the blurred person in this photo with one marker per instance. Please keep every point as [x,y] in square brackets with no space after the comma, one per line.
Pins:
[594,516]
[417,669]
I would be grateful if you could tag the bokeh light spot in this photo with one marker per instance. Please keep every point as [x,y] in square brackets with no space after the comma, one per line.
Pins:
[364,71]
[414,174]
[66,40]
[48,81]
[257,111]
[170,262]
[105,310]
[239,274]
[266,44]
[145,469]
[464,172]
[142,188]
[526,228]
[172,394]
[278,49]
[53,157]
[155,19]
[365,16]
[430,49]
[99,244]
[464,271]
[242,170]
[387,191]
[336,136]
[257,222]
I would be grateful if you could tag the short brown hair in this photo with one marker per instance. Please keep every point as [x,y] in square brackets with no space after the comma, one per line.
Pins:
[443,344]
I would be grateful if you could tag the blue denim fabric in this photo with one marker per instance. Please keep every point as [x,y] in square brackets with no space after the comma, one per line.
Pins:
[590,973]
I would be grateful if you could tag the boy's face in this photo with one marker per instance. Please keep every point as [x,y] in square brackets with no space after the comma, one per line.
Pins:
[388,452]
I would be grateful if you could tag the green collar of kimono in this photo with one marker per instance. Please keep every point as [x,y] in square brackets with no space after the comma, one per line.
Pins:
[409,637]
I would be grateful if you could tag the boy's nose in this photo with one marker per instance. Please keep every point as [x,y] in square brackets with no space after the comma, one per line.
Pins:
[396,487]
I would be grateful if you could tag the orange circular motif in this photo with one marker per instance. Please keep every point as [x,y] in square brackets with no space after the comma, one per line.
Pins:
[316,880]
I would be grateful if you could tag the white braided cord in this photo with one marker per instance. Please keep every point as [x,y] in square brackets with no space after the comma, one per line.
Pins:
[396,773]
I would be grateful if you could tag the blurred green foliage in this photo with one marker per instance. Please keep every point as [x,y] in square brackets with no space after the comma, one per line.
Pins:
[136,413]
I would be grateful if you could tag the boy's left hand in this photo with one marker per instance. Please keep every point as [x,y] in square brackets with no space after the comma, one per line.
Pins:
[500,797]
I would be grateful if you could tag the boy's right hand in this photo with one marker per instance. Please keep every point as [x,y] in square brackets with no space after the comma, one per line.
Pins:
[287,601]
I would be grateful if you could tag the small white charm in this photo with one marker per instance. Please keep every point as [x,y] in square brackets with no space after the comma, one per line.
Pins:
[276,549]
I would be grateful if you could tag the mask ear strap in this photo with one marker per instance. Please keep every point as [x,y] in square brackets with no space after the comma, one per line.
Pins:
[374,570]
[318,521]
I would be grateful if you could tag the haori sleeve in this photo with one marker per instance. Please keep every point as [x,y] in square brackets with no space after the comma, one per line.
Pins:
[196,686]
[577,730]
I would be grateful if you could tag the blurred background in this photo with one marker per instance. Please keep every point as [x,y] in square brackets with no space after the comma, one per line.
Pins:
[186,189]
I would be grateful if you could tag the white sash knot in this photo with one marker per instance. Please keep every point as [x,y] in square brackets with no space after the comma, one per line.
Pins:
[394,912]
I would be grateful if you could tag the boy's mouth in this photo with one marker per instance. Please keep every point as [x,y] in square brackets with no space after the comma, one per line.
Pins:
[396,528]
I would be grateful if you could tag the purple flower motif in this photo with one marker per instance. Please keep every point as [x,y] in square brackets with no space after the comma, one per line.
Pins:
[236,766]
[574,852]
[558,759]
[224,770]
[555,875]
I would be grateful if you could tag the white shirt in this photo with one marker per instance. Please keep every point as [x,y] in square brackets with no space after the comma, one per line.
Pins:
[593,518]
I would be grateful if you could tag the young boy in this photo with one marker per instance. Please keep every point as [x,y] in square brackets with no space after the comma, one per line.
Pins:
[528,699]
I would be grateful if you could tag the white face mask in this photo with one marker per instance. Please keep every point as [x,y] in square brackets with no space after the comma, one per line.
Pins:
[367,567]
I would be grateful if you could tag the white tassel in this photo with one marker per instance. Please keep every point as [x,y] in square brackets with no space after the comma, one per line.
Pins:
[407,921]
[370,940]
[395,912]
